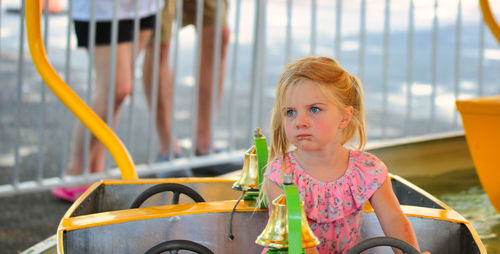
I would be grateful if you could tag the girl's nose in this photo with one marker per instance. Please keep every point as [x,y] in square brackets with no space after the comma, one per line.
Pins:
[302,121]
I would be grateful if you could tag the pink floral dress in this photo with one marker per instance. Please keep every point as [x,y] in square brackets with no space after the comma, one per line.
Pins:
[334,208]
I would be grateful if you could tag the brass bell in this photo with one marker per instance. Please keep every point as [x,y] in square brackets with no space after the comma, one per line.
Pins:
[275,235]
[249,179]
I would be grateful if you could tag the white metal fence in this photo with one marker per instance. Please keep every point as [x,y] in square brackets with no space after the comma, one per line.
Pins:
[414,58]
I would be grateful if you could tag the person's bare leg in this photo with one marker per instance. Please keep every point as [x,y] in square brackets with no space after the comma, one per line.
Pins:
[205,89]
[165,89]
[123,87]
[99,105]
[75,163]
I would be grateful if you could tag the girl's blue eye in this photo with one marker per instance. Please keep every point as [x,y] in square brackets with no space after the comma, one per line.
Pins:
[315,109]
[290,113]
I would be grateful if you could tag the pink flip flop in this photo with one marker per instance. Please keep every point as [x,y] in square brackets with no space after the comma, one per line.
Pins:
[69,193]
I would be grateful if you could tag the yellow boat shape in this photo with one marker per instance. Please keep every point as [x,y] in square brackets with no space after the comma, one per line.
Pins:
[481,121]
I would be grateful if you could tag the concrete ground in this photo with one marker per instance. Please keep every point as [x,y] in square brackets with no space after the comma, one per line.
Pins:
[28,219]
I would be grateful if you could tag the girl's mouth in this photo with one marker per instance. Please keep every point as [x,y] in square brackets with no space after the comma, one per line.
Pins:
[303,136]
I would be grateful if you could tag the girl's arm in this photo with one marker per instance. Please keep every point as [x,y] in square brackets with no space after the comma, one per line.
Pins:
[394,223]
[273,191]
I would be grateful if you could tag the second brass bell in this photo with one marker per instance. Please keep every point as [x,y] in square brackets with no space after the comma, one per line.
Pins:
[275,235]
[249,179]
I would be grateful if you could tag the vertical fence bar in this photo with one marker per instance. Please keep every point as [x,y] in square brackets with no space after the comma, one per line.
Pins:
[175,74]
[43,101]
[261,64]
[385,68]
[234,61]
[288,46]
[135,51]
[480,65]
[458,58]
[1,11]
[409,67]
[338,31]
[155,85]
[67,77]
[112,75]
[90,74]
[434,66]
[196,74]
[20,70]
[215,71]
[362,41]
[314,7]
[258,43]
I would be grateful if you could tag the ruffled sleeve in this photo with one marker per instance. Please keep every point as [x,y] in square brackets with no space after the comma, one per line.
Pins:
[368,173]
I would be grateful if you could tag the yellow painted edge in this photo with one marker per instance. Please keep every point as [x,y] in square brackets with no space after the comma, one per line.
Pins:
[68,223]
[121,216]
[476,237]
[426,212]
[70,211]
[77,203]
[438,214]
[60,248]
[94,186]
[170,180]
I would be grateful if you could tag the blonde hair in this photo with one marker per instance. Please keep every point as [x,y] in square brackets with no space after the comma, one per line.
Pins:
[336,83]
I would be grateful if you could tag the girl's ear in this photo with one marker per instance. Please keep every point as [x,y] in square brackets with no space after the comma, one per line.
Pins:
[346,117]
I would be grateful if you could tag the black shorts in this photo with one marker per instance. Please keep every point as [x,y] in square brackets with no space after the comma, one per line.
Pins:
[103,30]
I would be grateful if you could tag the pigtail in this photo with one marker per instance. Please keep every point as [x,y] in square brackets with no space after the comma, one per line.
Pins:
[358,118]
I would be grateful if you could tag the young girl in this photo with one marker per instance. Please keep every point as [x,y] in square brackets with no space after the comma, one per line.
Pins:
[318,109]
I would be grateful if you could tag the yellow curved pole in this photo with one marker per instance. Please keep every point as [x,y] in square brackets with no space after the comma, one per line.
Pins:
[489,19]
[88,117]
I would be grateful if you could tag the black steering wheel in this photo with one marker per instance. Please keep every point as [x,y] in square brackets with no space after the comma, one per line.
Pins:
[176,245]
[383,241]
[176,188]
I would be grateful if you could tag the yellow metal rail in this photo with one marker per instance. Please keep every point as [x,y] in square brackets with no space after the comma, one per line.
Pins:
[489,19]
[88,117]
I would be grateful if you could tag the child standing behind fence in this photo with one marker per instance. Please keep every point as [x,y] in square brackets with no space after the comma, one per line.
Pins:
[318,110]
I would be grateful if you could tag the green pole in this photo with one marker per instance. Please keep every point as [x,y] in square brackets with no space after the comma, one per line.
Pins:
[294,218]
[262,154]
